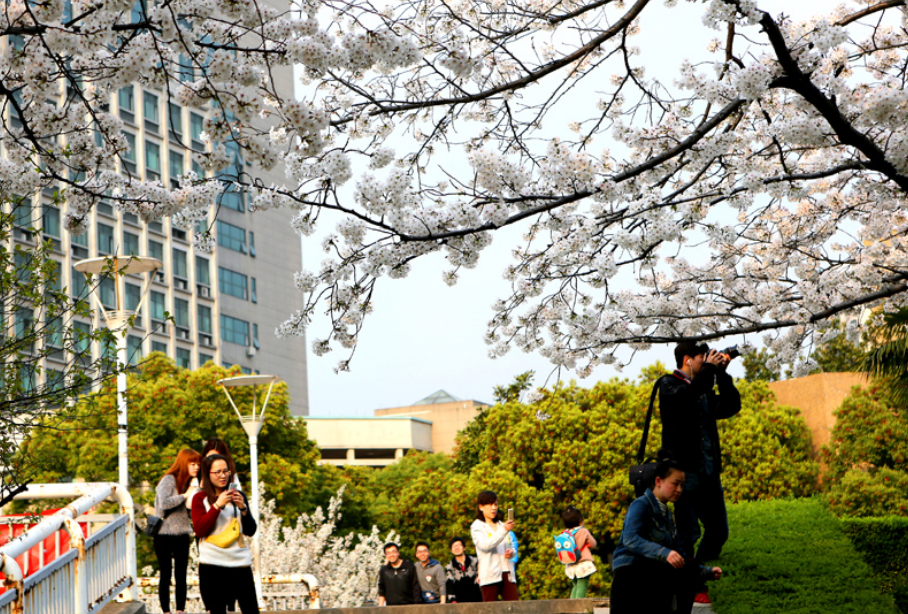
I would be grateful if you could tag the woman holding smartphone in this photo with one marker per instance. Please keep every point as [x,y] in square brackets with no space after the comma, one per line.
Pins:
[497,575]
[222,522]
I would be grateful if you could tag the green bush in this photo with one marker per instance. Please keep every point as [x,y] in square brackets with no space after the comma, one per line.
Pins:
[875,492]
[793,556]
[883,544]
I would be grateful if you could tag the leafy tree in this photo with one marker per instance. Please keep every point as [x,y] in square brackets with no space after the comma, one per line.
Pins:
[837,355]
[45,345]
[574,447]
[757,367]
[471,439]
[171,408]
[888,358]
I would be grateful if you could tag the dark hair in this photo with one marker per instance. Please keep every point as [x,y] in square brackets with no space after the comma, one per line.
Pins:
[456,539]
[418,544]
[666,464]
[571,517]
[688,348]
[484,498]
[205,483]
[220,446]
[390,545]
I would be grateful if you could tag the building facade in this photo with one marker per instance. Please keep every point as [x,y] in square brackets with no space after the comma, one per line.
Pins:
[225,305]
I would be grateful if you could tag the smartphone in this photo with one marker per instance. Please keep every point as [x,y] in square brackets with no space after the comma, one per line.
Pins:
[510,514]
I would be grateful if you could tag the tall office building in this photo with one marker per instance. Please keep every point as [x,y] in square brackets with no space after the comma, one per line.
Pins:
[225,305]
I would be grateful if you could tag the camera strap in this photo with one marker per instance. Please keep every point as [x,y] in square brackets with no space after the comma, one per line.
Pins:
[641,451]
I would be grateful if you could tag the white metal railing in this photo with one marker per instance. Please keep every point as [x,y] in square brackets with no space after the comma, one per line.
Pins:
[277,599]
[91,573]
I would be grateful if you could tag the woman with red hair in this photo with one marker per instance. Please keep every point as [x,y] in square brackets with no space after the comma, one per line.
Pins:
[171,544]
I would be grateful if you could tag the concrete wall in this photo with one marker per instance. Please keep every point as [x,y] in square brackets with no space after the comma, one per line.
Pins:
[446,418]
[817,397]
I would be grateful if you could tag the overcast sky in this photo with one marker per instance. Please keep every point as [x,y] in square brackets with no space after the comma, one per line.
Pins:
[424,336]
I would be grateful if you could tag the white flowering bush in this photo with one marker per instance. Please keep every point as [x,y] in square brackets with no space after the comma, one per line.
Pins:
[346,567]
[760,193]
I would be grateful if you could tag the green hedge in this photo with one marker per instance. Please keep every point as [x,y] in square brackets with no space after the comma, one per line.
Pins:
[883,544]
[793,557]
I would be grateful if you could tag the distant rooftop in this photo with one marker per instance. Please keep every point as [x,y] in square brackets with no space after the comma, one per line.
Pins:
[437,397]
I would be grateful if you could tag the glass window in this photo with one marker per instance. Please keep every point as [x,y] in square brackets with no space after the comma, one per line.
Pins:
[202,274]
[157,305]
[54,330]
[231,237]
[157,346]
[156,250]
[79,285]
[133,296]
[251,243]
[175,161]
[204,318]
[150,110]
[127,99]
[133,349]
[255,336]
[198,170]
[131,154]
[130,243]
[107,290]
[25,318]
[196,127]
[205,359]
[106,239]
[152,157]
[180,268]
[81,239]
[232,283]
[253,291]
[82,337]
[186,69]
[184,358]
[56,380]
[181,312]
[22,213]
[54,279]
[234,330]
[175,117]
[232,199]
[51,221]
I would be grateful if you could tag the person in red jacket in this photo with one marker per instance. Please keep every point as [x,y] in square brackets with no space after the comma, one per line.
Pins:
[222,521]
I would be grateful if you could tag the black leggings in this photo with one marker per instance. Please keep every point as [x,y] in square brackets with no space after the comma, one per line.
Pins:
[222,585]
[175,547]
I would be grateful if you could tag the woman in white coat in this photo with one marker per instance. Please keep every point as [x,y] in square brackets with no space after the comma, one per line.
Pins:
[497,575]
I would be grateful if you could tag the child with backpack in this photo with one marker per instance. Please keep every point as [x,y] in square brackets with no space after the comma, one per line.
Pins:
[574,547]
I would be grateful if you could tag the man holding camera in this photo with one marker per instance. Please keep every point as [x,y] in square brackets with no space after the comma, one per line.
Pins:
[689,408]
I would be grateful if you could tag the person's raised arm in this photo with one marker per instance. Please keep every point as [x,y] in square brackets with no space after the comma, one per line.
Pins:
[485,542]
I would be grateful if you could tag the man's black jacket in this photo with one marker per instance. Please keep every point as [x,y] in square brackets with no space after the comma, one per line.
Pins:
[679,406]
[399,585]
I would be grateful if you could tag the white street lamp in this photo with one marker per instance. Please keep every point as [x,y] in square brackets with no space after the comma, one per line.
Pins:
[118,321]
[252,424]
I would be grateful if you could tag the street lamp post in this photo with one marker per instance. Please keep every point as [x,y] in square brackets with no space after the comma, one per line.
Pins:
[118,322]
[252,424]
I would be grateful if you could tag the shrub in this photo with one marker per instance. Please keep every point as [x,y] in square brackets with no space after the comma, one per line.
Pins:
[793,557]
[883,544]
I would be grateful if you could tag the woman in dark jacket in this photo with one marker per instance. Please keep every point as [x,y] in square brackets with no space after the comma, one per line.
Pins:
[649,573]
[462,575]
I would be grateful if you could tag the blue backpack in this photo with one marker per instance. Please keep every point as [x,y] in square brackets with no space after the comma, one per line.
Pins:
[566,547]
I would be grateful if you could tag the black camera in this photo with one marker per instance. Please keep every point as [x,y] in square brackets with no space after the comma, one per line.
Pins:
[732,352]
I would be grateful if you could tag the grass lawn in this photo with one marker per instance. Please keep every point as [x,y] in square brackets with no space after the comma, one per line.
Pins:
[791,557]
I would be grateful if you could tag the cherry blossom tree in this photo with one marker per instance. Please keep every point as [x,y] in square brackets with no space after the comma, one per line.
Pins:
[761,193]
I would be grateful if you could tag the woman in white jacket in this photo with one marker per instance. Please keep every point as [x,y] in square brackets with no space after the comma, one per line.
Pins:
[497,575]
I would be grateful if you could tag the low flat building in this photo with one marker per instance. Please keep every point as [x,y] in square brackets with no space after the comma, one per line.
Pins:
[373,442]
[431,425]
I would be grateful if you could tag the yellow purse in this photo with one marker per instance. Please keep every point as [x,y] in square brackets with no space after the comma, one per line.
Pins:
[230,534]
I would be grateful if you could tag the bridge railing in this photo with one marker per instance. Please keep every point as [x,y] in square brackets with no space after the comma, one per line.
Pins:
[91,573]
[279,592]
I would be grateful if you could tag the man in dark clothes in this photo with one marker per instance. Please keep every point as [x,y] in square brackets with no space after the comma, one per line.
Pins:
[689,408]
[398,583]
